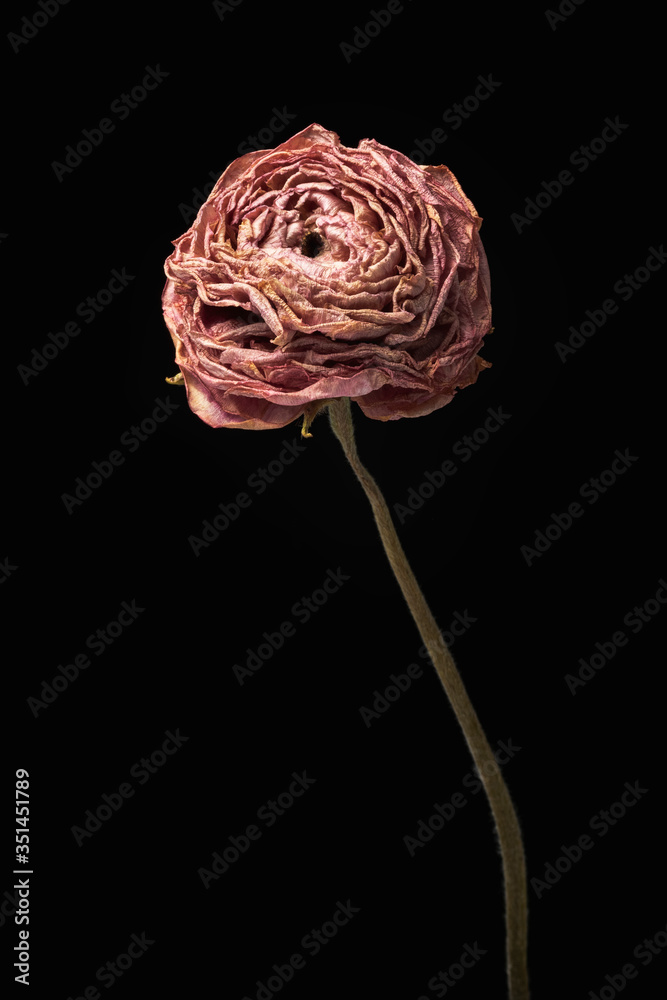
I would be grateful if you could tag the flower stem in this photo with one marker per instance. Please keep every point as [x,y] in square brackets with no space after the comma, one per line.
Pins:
[504,814]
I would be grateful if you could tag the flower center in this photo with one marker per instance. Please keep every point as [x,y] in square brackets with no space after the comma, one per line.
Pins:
[311,244]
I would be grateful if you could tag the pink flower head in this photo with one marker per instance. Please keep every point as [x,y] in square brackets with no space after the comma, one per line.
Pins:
[315,271]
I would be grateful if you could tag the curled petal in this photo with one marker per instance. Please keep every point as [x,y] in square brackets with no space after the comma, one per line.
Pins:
[316,270]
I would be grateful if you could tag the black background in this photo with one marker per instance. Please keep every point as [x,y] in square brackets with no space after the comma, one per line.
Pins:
[173,667]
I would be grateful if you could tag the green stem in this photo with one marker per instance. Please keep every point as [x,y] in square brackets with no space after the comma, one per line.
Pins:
[504,814]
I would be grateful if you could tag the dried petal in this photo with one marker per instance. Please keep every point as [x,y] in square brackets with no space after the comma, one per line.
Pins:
[316,270]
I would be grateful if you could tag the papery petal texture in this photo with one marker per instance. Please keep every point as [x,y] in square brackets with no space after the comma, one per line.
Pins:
[315,271]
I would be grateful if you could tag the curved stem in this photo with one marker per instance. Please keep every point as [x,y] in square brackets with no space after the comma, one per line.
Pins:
[504,814]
